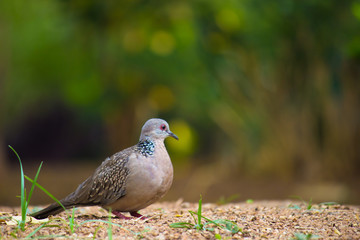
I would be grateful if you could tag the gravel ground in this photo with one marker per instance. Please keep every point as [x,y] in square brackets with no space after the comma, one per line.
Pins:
[258,220]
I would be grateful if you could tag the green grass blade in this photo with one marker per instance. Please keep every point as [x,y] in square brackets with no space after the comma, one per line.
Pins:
[309,206]
[22,193]
[218,236]
[96,230]
[193,216]
[45,191]
[211,221]
[109,229]
[199,211]
[36,230]
[182,225]
[33,185]
[72,221]
[25,197]
[228,225]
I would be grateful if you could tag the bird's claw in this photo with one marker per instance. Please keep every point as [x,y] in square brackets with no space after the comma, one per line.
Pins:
[134,214]
[138,215]
[120,215]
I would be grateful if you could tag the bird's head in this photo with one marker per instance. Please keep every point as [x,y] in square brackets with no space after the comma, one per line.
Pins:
[156,128]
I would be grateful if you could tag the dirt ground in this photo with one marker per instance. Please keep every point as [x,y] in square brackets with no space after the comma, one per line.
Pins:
[257,220]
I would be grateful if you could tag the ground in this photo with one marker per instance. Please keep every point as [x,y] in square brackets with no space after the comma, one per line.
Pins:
[256,220]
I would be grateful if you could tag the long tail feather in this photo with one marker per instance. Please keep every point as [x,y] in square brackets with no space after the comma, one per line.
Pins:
[53,209]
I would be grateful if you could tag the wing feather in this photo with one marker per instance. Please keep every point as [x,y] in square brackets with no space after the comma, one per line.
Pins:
[106,185]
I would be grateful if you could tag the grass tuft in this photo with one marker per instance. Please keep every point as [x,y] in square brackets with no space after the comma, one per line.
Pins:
[208,223]
[309,204]
[22,194]
[25,201]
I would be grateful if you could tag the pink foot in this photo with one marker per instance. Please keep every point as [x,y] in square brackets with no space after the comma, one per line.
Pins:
[137,215]
[120,215]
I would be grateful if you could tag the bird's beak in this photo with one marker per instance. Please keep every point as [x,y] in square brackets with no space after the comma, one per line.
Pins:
[171,134]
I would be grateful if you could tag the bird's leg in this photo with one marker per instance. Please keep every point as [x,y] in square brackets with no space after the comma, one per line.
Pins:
[120,215]
[137,215]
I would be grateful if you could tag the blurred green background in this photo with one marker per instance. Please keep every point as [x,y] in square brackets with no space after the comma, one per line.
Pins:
[264,95]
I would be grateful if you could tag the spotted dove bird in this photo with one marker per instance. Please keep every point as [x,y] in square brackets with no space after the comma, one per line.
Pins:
[127,181]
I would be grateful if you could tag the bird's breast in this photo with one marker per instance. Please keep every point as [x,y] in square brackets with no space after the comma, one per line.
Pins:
[149,179]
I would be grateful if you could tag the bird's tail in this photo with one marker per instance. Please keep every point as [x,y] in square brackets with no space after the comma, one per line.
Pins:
[53,209]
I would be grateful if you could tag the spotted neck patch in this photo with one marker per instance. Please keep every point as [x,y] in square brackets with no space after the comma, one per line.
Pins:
[146,147]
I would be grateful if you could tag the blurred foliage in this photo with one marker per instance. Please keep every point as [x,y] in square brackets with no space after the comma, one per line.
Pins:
[266,87]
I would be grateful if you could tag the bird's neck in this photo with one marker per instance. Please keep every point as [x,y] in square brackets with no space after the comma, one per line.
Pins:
[146,147]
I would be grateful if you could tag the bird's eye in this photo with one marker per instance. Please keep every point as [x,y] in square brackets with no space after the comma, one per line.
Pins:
[163,127]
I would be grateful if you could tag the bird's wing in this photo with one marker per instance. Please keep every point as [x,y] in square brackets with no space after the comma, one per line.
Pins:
[106,185]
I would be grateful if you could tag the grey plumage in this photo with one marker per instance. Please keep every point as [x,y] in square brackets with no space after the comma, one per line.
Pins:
[128,180]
